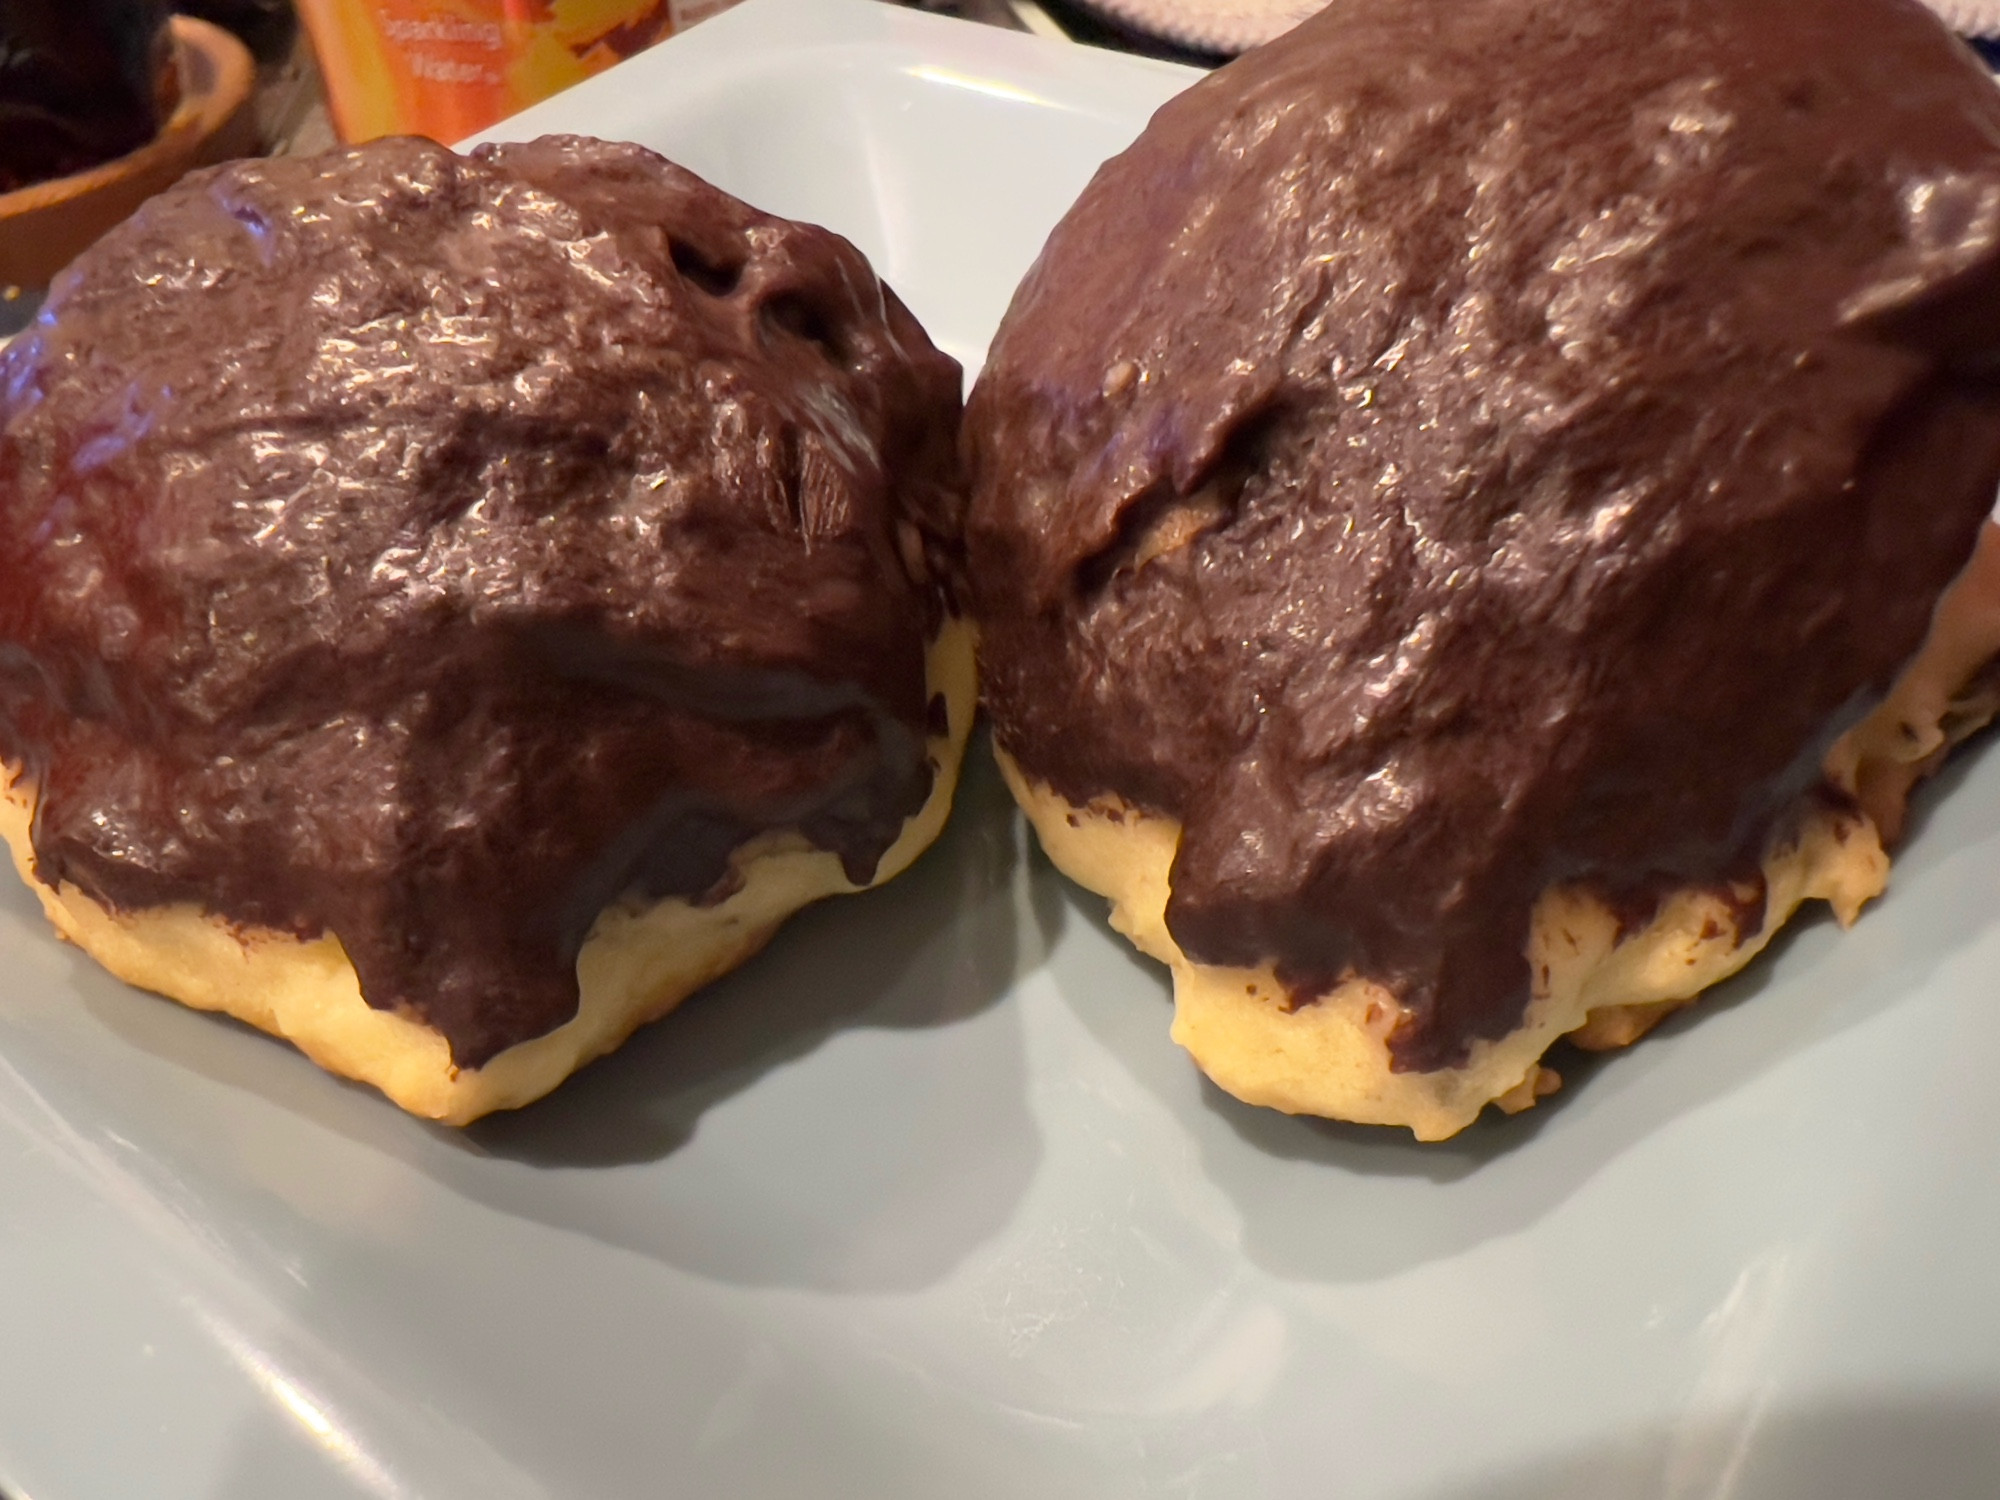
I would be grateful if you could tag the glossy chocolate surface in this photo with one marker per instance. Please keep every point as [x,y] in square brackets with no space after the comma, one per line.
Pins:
[1473,444]
[431,550]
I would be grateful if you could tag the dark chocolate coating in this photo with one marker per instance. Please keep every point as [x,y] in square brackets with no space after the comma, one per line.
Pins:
[432,549]
[1576,407]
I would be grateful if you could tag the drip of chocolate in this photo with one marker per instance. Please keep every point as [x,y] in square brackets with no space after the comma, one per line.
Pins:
[1474,444]
[430,550]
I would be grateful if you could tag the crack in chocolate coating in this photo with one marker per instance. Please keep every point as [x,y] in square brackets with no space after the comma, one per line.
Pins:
[433,549]
[1473,444]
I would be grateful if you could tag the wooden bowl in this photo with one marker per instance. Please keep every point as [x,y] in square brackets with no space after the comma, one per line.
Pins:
[45,225]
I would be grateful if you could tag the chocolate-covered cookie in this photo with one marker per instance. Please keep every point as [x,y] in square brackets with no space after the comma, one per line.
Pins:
[452,606]
[1446,499]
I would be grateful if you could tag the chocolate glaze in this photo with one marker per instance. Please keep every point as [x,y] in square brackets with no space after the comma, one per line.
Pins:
[431,549]
[1473,444]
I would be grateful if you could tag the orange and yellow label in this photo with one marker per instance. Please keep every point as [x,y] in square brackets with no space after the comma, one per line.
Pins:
[446,68]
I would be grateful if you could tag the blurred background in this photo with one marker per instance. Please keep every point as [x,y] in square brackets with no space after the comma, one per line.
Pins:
[104,102]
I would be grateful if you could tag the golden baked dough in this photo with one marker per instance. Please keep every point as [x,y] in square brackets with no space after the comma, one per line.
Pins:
[639,962]
[1331,1057]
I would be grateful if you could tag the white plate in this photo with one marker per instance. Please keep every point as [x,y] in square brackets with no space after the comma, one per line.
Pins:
[923,1203]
